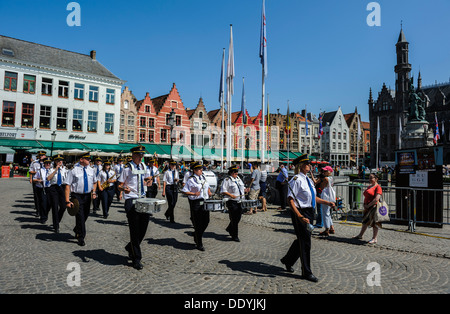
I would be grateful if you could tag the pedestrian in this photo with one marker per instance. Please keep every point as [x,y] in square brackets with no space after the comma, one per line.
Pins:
[235,190]
[170,189]
[372,196]
[282,186]
[153,183]
[56,192]
[98,166]
[42,189]
[328,194]
[319,183]
[131,183]
[263,187]
[81,184]
[37,164]
[106,181]
[197,190]
[254,186]
[302,198]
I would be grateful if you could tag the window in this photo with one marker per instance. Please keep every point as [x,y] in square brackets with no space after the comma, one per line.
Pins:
[147,109]
[125,104]
[200,114]
[47,86]
[61,118]
[29,84]
[163,135]
[11,81]
[45,117]
[130,136]
[77,124]
[78,91]
[109,123]
[142,136]
[110,96]
[9,113]
[122,119]
[63,89]
[151,136]
[151,122]
[92,121]
[142,122]
[178,120]
[27,115]
[93,93]
[130,120]
[121,135]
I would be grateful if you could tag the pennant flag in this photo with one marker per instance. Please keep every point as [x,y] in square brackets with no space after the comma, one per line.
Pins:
[230,65]
[320,125]
[359,129]
[263,40]
[222,81]
[244,116]
[268,115]
[378,129]
[287,129]
[436,131]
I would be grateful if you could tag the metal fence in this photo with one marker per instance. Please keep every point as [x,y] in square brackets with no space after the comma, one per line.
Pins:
[409,206]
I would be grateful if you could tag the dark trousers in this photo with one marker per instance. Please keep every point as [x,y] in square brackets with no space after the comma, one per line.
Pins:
[283,191]
[200,220]
[43,203]
[235,214]
[301,247]
[96,202]
[137,224]
[57,202]
[106,198]
[82,215]
[116,190]
[172,198]
[152,191]
[36,203]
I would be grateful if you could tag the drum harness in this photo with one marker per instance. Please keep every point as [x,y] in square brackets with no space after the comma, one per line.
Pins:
[139,173]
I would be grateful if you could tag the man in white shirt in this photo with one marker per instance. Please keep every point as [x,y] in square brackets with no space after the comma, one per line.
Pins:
[56,192]
[81,184]
[153,184]
[132,183]
[197,190]
[42,189]
[170,182]
[34,168]
[98,166]
[118,168]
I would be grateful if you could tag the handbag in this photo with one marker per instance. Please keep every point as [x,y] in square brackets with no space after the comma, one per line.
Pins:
[382,212]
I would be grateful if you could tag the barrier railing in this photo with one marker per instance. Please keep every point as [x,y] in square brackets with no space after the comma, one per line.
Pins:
[407,205]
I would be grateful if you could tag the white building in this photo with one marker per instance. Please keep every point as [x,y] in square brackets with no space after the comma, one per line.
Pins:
[335,140]
[45,89]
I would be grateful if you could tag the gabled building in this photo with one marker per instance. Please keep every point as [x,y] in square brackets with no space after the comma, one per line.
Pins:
[335,140]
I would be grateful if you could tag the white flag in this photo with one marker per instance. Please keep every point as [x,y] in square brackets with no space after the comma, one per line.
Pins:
[230,65]
[378,129]
[359,129]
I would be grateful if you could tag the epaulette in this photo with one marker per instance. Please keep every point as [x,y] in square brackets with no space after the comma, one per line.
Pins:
[294,178]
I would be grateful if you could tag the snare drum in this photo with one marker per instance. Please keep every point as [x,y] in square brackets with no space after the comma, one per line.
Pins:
[149,205]
[213,205]
[247,204]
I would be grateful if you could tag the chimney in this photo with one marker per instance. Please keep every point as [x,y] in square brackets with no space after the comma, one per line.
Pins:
[93,55]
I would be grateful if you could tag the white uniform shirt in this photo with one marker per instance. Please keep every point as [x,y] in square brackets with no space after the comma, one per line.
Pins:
[187,176]
[131,180]
[97,169]
[168,178]
[194,184]
[42,174]
[75,178]
[36,165]
[102,177]
[301,190]
[118,169]
[153,172]
[234,186]
[63,172]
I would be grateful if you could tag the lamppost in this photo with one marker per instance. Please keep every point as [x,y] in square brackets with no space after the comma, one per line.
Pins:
[53,135]
[171,123]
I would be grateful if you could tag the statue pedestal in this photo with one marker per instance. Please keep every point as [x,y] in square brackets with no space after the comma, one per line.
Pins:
[416,134]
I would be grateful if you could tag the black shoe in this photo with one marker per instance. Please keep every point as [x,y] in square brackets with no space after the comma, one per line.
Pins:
[311,278]
[137,265]
[200,248]
[81,242]
[289,268]
[130,256]
[236,239]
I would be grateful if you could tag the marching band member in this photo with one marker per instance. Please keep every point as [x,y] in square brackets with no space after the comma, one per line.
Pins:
[81,184]
[170,182]
[302,199]
[153,183]
[42,189]
[34,168]
[131,182]
[106,177]
[57,191]
[97,168]
[118,168]
[234,188]
[197,189]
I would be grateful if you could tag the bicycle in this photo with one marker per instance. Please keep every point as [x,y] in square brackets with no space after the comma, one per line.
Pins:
[340,212]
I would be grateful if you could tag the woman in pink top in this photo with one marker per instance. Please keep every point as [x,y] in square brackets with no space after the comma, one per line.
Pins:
[372,196]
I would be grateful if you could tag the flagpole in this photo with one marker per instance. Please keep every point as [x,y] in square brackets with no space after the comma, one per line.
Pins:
[243,127]
[378,140]
[263,135]
[230,92]
[288,135]
[263,56]
[222,107]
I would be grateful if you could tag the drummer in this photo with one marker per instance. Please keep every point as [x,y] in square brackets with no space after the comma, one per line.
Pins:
[153,184]
[107,193]
[132,182]
[234,188]
[197,189]
[170,182]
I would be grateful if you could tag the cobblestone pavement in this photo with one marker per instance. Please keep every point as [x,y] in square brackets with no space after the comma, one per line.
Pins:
[34,259]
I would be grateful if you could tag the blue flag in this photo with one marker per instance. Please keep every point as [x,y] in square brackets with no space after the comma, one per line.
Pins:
[263,40]
[244,116]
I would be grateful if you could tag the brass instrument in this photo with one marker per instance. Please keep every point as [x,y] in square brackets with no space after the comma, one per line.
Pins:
[106,184]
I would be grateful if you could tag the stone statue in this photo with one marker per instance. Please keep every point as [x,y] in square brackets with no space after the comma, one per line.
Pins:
[417,102]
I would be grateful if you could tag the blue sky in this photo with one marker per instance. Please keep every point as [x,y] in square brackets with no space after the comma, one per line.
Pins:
[321,54]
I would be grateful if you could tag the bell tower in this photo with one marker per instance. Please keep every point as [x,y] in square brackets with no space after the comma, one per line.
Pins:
[402,73]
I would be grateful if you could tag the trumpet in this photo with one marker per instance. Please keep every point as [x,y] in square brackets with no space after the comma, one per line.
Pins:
[106,184]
